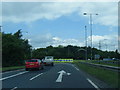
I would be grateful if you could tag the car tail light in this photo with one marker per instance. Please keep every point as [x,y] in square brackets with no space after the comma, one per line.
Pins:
[26,63]
[36,63]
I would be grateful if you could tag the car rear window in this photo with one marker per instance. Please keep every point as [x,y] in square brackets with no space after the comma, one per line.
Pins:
[31,60]
[49,57]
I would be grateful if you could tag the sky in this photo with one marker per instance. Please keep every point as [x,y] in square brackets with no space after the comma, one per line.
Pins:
[63,23]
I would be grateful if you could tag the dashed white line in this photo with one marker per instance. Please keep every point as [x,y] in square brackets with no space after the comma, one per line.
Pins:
[13,75]
[93,84]
[14,88]
[36,76]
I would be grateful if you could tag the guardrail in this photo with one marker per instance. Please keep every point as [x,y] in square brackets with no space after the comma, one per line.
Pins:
[104,66]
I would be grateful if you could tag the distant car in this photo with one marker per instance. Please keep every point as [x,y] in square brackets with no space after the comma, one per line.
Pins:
[33,64]
[48,60]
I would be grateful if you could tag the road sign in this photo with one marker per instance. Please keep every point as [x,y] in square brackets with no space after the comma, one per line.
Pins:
[97,56]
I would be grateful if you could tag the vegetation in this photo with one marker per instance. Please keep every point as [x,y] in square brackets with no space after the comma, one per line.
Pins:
[14,49]
[11,68]
[73,52]
[110,77]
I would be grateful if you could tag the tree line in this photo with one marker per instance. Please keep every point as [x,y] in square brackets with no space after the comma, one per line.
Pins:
[73,52]
[15,50]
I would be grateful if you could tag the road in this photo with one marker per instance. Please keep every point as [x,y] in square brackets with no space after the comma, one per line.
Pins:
[49,77]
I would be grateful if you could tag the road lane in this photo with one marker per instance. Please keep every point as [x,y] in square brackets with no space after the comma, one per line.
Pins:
[22,81]
[48,79]
[75,80]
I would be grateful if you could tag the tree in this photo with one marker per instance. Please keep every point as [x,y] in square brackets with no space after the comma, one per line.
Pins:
[14,49]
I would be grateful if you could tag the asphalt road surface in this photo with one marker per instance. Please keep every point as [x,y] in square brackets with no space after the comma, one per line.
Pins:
[62,75]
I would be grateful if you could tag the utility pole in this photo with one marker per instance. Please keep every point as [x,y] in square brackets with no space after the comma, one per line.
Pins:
[99,45]
[106,44]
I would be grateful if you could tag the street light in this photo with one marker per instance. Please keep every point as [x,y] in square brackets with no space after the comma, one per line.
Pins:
[86,40]
[90,27]
[0,28]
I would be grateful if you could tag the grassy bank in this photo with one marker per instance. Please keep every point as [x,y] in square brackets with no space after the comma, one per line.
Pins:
[107,76]
[11,68]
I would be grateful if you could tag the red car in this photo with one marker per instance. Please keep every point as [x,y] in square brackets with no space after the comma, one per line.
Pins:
[33,64]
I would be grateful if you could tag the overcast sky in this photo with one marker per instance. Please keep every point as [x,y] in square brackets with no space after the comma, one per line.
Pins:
[62,23]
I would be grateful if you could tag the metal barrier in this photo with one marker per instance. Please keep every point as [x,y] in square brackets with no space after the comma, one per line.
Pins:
[63,60]
[104,66]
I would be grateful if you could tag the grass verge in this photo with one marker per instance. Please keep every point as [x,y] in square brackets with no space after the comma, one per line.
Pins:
[11,68]
[102,63]
[109,77]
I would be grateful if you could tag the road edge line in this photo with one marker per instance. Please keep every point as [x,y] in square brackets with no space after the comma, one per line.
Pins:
[75,67]
[12,71]
[13,75]
[93,84]
[14,88]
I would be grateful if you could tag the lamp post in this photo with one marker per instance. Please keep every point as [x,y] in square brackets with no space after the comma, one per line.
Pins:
[0,29]
[86,40]
[90,28]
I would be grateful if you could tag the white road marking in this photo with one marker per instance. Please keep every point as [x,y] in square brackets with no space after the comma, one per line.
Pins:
[68,73]
[59,79]
[14,88]
[93,84]
[75,67]
[12,71]
[36,76]
[13,75]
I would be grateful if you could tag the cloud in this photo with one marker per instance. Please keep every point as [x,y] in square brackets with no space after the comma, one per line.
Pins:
[44,40]
[30,12]
[109,42]
[106,12]
[66,42]
[41,41]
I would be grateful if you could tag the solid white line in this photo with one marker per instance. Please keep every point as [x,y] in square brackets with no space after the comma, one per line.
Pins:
[93,84]
[14,88]
[13,75]
[75,67]
[36,76]
[12,71]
